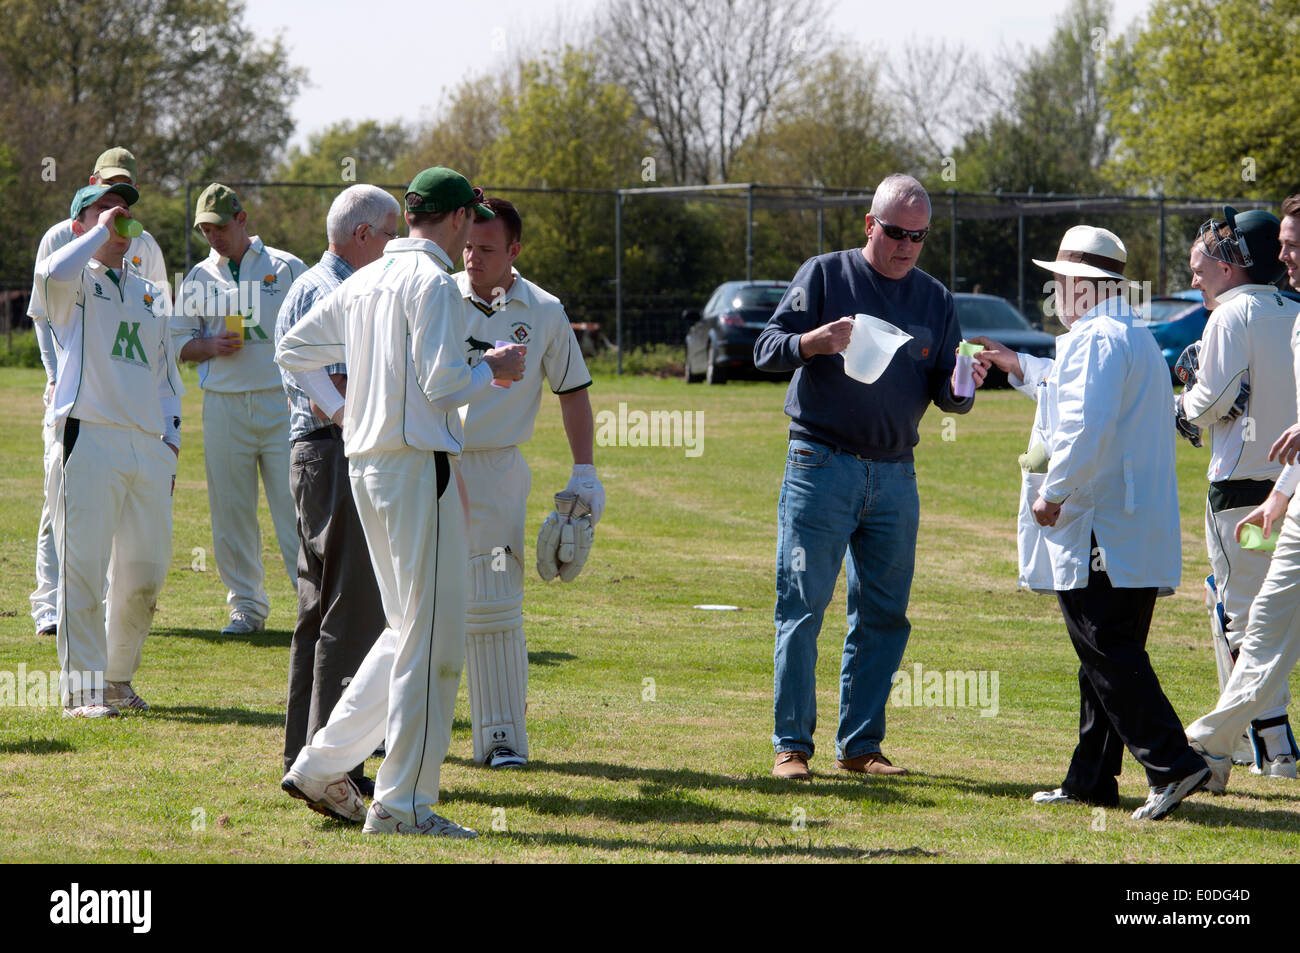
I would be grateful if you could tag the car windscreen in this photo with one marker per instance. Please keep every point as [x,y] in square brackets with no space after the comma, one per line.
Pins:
[754,299]
[1164,309]
[988,314]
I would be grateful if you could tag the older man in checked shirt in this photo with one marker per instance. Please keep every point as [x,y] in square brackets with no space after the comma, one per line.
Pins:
[340,613]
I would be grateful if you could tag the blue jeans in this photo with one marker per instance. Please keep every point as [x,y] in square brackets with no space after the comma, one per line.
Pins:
[833,502]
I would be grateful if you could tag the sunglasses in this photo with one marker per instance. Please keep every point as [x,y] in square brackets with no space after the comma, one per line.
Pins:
[917,235]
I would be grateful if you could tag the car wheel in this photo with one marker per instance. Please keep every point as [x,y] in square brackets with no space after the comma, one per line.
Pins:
[690,377]
[712,373]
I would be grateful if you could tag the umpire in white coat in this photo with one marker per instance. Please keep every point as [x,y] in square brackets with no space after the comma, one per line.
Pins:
[1099,521]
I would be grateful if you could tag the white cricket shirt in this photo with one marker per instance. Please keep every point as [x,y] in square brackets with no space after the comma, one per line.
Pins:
[210,293]
[1247,336]
[114,347]
[528,315]
[399,325]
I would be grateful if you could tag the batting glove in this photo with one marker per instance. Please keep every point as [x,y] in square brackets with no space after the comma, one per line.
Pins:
[588,488]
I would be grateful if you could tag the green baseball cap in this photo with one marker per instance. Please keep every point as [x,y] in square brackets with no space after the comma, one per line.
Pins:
[217,205]
[442,190]
[115,162]
[89,194]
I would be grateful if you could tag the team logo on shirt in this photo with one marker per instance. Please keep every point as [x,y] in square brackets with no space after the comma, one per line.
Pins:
[135,260]
[519,331]
[269,284]
[127,346]
[99,291]
[474,344]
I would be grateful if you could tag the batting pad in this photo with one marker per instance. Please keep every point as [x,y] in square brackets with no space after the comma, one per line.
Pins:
[495,655]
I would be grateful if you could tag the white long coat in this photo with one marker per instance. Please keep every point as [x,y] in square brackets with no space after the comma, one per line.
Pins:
[1105,415]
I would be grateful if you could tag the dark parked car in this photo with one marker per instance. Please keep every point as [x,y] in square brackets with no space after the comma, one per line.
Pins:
[1178,319]
[720,341]
[998,319]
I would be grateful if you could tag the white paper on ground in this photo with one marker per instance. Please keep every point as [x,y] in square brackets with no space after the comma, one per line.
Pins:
[871,347]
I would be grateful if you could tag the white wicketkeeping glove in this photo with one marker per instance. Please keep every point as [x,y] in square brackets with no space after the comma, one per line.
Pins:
[585,484]
[565,539]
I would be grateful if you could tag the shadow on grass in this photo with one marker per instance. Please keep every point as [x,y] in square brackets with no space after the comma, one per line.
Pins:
[1201,809]
[651,803]
[761,848]
[849,786]
[549,658]
[266,639]
[36,746]
[196,715]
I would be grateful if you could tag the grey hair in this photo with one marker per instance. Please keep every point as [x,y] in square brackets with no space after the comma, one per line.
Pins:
[358,205]
[898,189]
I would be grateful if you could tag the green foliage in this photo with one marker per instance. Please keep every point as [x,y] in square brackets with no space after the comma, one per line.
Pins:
[183,84]
[22,351]
[654,360]
[1203,99]
[345,153]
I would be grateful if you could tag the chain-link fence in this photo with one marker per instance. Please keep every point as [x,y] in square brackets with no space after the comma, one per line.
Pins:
[629,262]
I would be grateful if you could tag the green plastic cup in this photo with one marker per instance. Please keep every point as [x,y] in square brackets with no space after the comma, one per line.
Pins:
[128,227]
[1252,537]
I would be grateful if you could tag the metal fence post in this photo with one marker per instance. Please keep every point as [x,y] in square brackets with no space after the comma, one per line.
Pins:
[618,275]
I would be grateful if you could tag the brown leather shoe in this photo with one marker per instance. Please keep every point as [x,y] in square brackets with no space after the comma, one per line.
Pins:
[792,765]
[873,763]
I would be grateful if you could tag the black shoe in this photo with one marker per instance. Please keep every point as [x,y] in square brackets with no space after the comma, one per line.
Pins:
[366,786]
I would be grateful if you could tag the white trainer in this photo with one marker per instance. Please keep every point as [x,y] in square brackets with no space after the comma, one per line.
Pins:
[504,757]
[90,711]
[47,624]
[122,696]
[1164,799]
[338,799]
[241,623]
[1054,797]
[379,821]
[1283,766]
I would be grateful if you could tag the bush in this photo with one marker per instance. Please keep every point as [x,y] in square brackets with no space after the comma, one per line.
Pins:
[23,351]
[656,360]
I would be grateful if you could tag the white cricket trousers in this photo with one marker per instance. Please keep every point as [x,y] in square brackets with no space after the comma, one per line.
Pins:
[405,689]
[111,493]
[243,433]
[43,597]
[1268,652]
[1238,575]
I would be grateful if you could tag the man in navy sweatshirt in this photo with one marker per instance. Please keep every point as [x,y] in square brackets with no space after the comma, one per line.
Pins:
[849,480]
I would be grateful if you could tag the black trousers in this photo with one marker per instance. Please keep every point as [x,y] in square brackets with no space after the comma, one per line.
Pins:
[340,614]
[1121,702]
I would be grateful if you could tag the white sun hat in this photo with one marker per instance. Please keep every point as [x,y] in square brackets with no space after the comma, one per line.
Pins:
[1088,252]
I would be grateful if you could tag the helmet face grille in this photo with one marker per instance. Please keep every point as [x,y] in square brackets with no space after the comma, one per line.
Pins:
[1224,242]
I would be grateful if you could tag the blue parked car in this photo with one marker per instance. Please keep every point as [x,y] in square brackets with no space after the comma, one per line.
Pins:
[1178,319]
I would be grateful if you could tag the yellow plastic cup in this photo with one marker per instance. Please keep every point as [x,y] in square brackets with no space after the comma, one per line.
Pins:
[235,324]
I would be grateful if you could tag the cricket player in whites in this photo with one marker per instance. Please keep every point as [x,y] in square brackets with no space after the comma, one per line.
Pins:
[225,321]
[399,325]
[113,166]
[1240,388]
[506,308]
[116,412]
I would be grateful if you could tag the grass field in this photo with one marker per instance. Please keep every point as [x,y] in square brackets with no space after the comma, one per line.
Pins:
[649,719]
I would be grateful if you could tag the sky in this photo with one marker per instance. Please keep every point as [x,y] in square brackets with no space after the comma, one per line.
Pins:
[391,59]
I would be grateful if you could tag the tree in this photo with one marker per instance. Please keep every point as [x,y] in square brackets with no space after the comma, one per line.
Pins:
[1203,99]
[704,73]
[835,127]
[565,127]
[183,83]
[1050,136]
[343,154]
[468,130]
